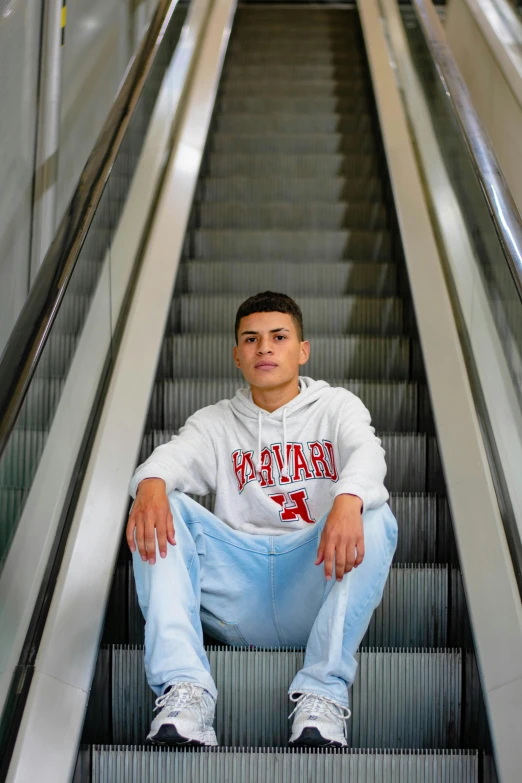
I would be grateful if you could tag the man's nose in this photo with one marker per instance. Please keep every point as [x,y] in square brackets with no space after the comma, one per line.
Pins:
[263,346]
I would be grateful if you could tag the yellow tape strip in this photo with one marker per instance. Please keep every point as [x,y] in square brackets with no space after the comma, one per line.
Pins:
[64,16]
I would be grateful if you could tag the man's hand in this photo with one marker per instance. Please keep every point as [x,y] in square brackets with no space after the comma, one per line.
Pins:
[151,512]
[342,537]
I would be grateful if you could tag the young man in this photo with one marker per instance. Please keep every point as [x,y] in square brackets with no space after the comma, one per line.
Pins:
[299,548]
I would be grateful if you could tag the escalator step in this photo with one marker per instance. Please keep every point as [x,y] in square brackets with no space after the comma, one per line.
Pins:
[394,407]
[285,122]
[222,164]
[290,246]
[425,531]
[406,458]
[292,143]
[268,104]
[333,279]
[414,611]
[400,699]
[280,215]
[227,765]
[210,356]
[295,72]
[301,190]
[334,316]
[306,88]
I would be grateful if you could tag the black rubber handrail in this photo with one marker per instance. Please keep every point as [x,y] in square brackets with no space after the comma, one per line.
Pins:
[31,331]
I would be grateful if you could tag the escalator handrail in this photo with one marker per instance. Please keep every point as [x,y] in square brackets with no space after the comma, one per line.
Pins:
[501,205]
[34,323]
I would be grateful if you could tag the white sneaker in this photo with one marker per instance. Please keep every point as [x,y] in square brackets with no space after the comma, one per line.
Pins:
[185,718]
[319,722]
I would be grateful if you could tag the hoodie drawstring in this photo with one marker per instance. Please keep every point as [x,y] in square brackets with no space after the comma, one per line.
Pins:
[285,466]
[258,466]
[285,455]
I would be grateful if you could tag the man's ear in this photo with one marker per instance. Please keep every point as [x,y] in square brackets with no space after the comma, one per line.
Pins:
[305,352]
[236,360]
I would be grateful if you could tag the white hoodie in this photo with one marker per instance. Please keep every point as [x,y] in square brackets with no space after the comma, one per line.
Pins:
[274,472]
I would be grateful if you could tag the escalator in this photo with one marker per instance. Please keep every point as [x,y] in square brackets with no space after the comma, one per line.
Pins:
[294,196]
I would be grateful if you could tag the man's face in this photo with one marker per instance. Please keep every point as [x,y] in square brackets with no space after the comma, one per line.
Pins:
[268,352]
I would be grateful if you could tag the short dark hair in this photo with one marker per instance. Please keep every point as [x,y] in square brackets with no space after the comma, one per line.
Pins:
[271,302]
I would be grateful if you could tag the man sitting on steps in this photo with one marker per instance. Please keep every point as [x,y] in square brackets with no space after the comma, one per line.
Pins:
[298,475]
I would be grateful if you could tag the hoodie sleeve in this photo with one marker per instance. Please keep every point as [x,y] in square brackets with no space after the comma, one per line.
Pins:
[362,468]
[187,462]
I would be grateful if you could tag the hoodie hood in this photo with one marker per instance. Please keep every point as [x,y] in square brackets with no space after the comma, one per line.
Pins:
[244,407]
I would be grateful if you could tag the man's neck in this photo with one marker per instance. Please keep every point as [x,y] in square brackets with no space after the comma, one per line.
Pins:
[272,399]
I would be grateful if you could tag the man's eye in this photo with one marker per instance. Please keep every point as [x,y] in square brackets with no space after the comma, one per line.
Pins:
[280,336]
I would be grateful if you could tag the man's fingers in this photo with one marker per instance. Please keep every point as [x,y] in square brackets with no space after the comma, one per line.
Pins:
[150,540]
[360,553]
[350,556]
[328,559]
[161,533]
[320,551]
[171,535]
[129,533]
[140,537]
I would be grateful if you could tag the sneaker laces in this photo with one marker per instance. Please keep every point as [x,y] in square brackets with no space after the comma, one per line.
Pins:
[181,694]
[319,705]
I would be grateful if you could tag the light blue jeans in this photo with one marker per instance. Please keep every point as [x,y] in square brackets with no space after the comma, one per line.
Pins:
[263,591]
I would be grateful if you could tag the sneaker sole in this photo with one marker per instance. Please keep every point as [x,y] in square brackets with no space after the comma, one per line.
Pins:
[312,738]
[169,735]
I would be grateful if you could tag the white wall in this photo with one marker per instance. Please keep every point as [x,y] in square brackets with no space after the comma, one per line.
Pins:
[19,59]
[100,38]
[494,79]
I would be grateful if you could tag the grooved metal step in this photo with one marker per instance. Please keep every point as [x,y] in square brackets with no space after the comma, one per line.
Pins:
[414,611]
[328,315]
[297,72]
[331,279]
[292,143]
[233,85]
[227,765]
[394,406]
[301,190]
[257,164]
[274,215]
[425,531]
[210,356]
[264,104]
[286,122]
[297,246]
[406,458]
[390,710]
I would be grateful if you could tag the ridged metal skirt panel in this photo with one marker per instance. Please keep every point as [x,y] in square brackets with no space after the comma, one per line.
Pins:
[400,698]
[139,765]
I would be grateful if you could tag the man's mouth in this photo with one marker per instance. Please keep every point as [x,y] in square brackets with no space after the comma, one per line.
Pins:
[265,366]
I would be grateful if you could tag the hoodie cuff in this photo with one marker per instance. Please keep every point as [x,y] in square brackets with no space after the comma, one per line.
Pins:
[352,489]
[150,472]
